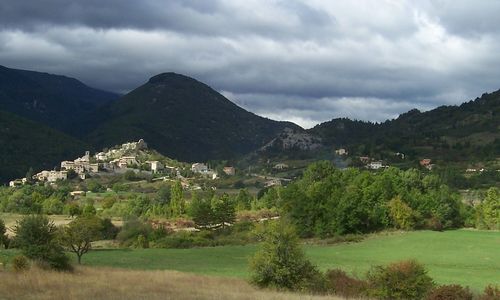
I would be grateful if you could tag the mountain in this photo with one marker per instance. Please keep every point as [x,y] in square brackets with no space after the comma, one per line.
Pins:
[292,140]
[58,101]
[26,144]
[468,132]
[185,119]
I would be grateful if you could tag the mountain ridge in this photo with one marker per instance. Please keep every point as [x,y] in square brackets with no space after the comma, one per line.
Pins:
[185,118]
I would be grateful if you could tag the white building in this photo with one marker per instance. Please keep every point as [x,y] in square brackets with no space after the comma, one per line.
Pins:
[375,165]
[156,166]
[199,168]
[341,151]
[80,165]
[273,182]
[280,166]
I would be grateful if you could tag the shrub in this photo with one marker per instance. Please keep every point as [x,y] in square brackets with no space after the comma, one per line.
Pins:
[341,284]
[450,292]
[184,240]
[109,230]
[434,224]
[400,280]
[36,236]
[490,293]
[280,262]
[20,263]
[89,210]
[142,242]
[132,228]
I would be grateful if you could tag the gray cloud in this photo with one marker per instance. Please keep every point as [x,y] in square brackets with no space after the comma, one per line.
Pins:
[292,60]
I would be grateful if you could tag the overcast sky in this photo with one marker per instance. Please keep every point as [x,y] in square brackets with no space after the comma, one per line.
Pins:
[303,61]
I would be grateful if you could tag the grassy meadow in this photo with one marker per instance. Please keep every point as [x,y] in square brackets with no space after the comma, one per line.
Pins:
[110,283]
[466,257]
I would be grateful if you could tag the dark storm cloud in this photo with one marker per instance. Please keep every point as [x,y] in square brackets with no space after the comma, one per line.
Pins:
[208,17]
[304,61]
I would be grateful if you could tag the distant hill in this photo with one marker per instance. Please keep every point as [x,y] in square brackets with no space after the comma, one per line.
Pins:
[184,119]
[26,144]
[468,132]
[58,101]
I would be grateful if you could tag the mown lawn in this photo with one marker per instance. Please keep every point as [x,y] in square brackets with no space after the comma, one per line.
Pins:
[464,257]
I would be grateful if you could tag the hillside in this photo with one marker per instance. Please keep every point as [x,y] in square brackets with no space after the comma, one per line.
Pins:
[185,119]
[468,132]
[28,144]
[58,101]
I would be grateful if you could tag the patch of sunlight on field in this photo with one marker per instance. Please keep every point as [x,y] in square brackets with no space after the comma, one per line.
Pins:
[465,257]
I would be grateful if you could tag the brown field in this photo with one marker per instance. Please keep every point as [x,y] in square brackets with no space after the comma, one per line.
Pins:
[107,283]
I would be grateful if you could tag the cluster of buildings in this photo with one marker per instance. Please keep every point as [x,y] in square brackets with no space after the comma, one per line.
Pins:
[372,164]
[203,169]
[81,166]
[113,160]
[121,151]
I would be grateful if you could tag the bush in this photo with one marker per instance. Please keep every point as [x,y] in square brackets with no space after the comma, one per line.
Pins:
[400,280]
[341,284]
[36,236]
[142,242]
[184,240]
[434,224]
[20,263]
[132,228]
[109,230]
[450,292]
[490,293]
[281,263]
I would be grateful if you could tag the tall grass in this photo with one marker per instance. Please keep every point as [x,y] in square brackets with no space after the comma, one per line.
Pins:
[108,283]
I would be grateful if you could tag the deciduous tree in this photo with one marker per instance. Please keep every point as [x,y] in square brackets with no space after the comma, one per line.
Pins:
[80,233]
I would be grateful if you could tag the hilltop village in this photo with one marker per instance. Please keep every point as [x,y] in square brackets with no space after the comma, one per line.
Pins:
[132,156]
[138,158]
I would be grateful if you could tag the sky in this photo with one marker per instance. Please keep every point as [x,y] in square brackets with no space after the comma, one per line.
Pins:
[301,61]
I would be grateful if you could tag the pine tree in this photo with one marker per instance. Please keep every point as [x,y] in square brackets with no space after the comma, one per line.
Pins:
[224,210]
[201,212]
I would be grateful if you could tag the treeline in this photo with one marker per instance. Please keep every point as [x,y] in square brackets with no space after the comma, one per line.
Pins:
[328,202]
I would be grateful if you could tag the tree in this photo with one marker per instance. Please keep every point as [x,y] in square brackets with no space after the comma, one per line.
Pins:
[489,210]
[201,212]
[223,210]
[4,239]
[243,200]
[52,206]
[163,195]
[280,262]
[36,236]
[401,214]
[177,203]
[80,233]
[73,209]
[89,210]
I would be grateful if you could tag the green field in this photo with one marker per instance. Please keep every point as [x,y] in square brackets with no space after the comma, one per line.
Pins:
[464,257]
